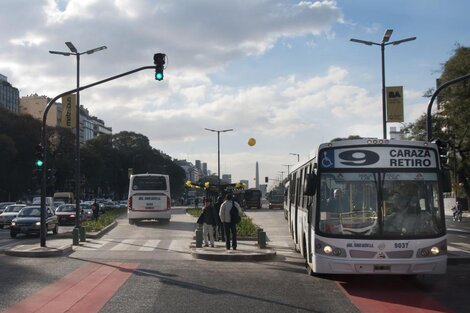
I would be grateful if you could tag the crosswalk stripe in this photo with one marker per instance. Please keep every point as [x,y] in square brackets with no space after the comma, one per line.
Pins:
[126,244]
[149,245]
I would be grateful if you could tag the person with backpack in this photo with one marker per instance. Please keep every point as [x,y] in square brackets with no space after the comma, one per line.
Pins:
[230,214]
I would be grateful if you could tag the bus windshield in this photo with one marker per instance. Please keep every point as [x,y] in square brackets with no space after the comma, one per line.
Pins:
[379,204]
[149,183]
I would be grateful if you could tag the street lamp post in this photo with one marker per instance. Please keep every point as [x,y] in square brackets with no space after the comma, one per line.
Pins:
[385,42]
[75,52]
[298,156]
[288,168]
[218,149]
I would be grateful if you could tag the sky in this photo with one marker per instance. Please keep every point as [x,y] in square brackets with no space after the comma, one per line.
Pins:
[282,72]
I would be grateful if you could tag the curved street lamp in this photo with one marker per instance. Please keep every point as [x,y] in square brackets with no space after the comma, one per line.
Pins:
[218,149]
[75,52]
[385,42]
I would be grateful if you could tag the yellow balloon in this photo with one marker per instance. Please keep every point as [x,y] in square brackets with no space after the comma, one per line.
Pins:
[251,141]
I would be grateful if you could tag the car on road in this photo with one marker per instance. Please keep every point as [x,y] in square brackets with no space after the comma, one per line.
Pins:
[106,206]
[3,205]
[10,212]
[28,221]
[66,214]
[276,201]
[87,212]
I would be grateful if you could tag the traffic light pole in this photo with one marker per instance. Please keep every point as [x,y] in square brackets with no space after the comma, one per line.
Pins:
[434,95]
[43,231]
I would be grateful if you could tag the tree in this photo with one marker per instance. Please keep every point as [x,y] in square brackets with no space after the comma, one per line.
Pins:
[451,120]
[350,137]
[456,109]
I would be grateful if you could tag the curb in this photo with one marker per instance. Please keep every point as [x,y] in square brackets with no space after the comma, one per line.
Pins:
[98,234]
[232,255]
[39,252]
[34,251]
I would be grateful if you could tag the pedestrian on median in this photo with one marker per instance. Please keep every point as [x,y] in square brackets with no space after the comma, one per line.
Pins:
[229,225]
[220,233]
[209,222]
[95,207]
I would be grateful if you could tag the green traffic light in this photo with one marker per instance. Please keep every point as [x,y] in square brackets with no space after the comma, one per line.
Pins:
[39,163]
[158,75]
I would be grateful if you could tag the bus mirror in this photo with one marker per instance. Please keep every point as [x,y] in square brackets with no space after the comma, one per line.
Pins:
[311,187]
[446,182]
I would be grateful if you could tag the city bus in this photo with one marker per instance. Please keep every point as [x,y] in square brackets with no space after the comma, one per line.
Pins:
[252,198]
[149,198]
[370,206]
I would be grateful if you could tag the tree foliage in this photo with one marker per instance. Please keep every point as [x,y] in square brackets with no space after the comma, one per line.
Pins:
[104,161]
[450,122]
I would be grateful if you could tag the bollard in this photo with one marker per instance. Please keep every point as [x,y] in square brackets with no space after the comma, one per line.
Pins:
[257,233]
[75,236]
[82,234]
[262,240]
[198,237]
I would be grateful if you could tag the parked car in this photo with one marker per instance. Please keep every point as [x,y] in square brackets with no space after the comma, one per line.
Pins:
[66,214]
[10,212]
[28,221]
[3,205]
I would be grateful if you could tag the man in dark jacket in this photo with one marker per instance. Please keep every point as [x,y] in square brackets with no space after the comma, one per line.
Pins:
[95,207]
[209,222]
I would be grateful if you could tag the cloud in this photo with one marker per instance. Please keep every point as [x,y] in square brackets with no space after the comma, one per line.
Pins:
[201,39]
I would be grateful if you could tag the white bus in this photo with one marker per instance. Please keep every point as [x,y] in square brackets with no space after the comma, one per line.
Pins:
[370,207]
[149,198]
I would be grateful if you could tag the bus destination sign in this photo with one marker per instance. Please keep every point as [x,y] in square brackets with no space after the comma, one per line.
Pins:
[378,157]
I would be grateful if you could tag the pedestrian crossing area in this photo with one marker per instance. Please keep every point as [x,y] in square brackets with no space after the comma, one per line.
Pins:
[142,245]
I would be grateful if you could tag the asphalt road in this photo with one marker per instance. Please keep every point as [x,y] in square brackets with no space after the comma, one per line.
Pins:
[163,277]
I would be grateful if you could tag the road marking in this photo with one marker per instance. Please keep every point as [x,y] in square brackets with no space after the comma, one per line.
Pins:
[149,245]
[87,289]
[125,245]
[388,295]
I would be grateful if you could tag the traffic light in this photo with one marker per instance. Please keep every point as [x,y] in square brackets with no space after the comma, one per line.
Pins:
[443,147]
[39,156]
[51,176]
[159,61]
[266,179]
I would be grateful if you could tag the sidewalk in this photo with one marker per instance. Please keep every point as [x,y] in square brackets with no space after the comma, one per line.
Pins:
[246,251]
[58,245]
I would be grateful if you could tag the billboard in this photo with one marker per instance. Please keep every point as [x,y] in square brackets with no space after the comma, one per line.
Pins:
[69,111]
[394,104]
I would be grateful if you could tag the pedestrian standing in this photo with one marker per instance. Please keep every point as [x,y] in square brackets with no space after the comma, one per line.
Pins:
[229,225]
[220,233]
[209,222]
[95,207]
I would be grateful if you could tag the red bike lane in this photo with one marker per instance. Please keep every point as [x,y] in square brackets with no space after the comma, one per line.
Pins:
[86,289]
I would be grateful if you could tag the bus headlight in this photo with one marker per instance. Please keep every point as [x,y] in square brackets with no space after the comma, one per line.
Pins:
[13,223]
[435,250]
[327,249]
[38,223]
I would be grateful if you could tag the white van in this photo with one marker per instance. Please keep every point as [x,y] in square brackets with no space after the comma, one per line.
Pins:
[149,198]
